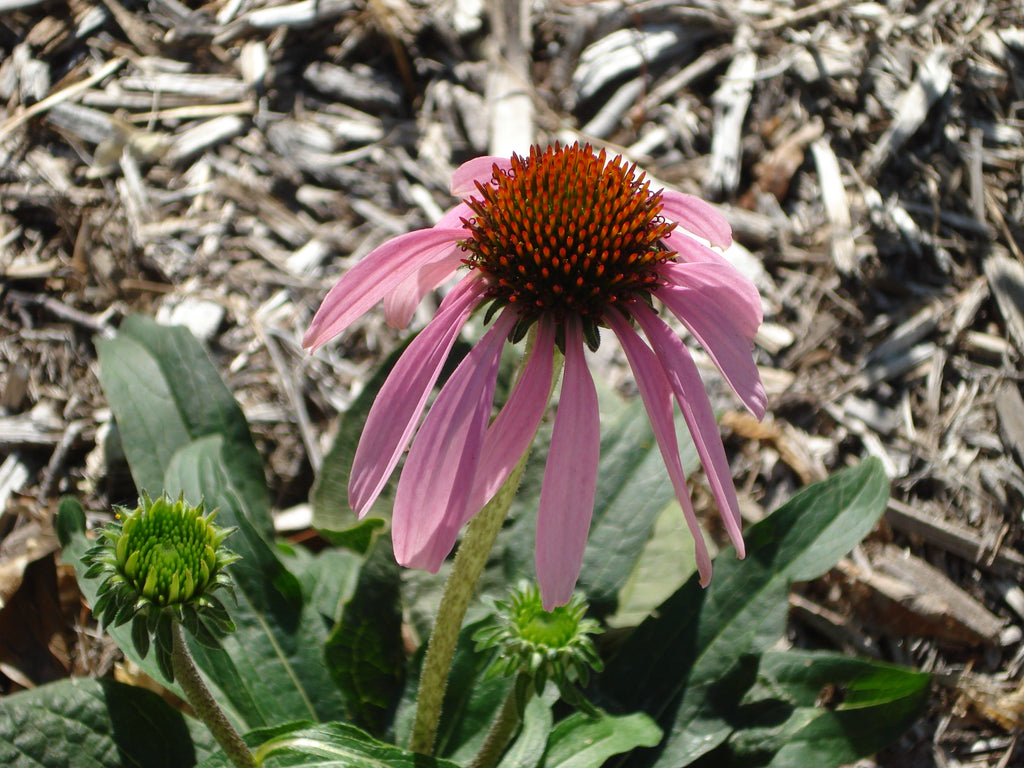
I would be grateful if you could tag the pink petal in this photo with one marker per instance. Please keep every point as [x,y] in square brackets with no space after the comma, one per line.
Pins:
[511,433]
[442,462]
[395,412]
[377,274]
[700,419]
[570,477]
[722,309]
[657,396]
[696,216]
[401,303]
[453,218]
[479,169]
[690,249]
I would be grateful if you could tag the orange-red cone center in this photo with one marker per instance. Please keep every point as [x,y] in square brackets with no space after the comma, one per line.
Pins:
[566,232]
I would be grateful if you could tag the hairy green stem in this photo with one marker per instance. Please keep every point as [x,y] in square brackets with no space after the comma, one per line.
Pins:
[500,732]
[458,590]
[205,706]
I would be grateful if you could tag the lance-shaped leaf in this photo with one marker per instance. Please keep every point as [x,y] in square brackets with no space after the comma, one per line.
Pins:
[688,665]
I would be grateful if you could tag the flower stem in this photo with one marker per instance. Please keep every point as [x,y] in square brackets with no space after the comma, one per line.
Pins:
[205,706]
[501,730]
[458,590]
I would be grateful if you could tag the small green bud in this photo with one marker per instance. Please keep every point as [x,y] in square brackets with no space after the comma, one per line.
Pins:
[537,645]
[162,562]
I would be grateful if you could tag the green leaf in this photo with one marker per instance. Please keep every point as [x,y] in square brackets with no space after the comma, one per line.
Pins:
[364,653]
[184,433]
[331,745]
[822,710]
[70,519]
[328,578]
[356,538]
[581,741]
[84,723]
[666,562]
[689,665]
[165,392]
[527,750]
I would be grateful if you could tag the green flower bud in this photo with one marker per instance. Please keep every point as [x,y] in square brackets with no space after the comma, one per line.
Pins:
[535,645]
[163,562]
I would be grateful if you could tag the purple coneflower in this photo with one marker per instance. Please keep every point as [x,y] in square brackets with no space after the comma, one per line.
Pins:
[568,242]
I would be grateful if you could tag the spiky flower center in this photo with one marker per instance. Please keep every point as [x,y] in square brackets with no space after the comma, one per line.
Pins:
[551,630]
[167,551]
[565,232]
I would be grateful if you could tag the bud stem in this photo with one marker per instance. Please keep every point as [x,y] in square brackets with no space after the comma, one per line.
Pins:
[205,706]
[458,590]
[501,730]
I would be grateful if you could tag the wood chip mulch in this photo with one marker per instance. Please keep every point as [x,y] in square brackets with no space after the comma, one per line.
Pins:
[219,165]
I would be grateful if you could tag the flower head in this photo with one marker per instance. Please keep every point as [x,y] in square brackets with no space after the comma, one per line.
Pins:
[572,244]
[162,562]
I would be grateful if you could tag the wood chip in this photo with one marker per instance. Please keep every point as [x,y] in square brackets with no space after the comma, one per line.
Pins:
[1010,409]
[6,6]
[731,101]
[953,537]
[200,137]
[627,51]
[906,596]
[1006,280]
[40,426]
[358,85]
[933,80]
[837,206]
[509,99]
[209,88]
[66,94]
[301,14]
[26,544]
[13,475]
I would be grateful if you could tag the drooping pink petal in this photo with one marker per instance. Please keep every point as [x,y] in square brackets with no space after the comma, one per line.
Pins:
[722,309]
[511,433]
[443,459]
[479,169]
[395,413]
[570,477]
[657,397]
[401,303]
[696,216]
[688,388]
[377,274]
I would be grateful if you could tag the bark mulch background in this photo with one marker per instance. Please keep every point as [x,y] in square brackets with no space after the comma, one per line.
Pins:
[219,165]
